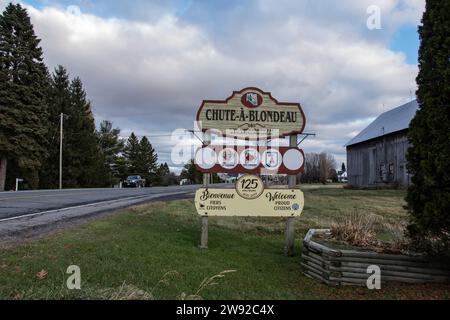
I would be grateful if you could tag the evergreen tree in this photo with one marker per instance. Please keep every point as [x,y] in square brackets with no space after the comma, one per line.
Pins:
[191,173]
[23,84]
[428,199]
[343,168]
[122,168]
[147,161]
[165,168]
[112,146]
[82,155]
[131,154]
[87,161]
[161,175]
[59,101]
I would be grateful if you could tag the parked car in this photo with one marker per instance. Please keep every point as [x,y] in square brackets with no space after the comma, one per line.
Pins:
[134,182]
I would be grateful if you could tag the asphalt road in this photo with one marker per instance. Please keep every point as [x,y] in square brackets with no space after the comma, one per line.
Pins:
[22,203]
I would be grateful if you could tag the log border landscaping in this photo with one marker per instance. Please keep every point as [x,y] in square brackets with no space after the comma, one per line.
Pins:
[337,267]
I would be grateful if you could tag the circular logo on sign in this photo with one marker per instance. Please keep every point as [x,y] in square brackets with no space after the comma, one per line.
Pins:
[206,158]
[250,187]
[293,159]
[271,159]
[249,159]
[228,158]
[252,99]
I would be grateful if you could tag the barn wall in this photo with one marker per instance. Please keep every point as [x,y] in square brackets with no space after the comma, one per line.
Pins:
[379,162]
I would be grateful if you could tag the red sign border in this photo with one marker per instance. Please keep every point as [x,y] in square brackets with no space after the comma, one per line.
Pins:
[239,169]
[223,134]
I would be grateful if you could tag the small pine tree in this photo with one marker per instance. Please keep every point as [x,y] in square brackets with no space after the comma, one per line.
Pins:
[343,168]
[162,174]
[122,168]
[112,146]
[428,198]
[191,173]
[166,169]
[131,154]
[147,161]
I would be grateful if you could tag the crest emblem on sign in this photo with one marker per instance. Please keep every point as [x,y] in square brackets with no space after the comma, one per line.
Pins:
[272,159]
[250,159]
[228,158]
[252,98]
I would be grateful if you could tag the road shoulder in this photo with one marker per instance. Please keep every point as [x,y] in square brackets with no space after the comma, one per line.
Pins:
[40,225]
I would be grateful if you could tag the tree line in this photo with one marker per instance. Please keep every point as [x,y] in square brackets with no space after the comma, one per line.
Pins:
[132,157]
[319,168]
[31,103]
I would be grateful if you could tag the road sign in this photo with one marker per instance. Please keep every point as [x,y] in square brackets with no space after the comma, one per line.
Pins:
[251,113]
[229,203]
[250,160]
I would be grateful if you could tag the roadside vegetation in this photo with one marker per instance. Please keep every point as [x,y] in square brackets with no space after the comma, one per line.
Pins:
[34,102]
[150,252]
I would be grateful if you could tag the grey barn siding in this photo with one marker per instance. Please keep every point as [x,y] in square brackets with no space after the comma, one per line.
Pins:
[377,155]
[379,162]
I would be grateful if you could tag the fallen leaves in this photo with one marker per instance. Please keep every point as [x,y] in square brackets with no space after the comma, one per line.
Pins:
[41,275]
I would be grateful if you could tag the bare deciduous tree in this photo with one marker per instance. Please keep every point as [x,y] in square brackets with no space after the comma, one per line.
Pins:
[318,168]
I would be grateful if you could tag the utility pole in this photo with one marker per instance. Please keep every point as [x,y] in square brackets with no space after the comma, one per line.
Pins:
[60,150]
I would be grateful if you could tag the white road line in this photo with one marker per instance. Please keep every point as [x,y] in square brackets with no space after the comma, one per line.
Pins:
[90,205]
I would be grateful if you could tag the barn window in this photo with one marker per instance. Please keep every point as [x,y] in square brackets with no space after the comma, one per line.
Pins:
[382,171]
[391,169]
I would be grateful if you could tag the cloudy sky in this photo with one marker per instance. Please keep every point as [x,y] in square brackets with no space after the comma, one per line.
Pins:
[147,65]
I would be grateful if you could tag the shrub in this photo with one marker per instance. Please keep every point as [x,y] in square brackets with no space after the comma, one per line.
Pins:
[428,199]
[356,230]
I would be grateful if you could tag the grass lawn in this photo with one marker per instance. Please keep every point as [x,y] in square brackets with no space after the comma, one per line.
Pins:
[150,252]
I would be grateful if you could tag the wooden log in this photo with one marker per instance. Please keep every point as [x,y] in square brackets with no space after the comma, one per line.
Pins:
[396,274]
[385,279]
[315,267]
[371,261]
[319,277]
[320,248]
[312,232]
[322,257]
[364,266]
[320,262]
[376,255]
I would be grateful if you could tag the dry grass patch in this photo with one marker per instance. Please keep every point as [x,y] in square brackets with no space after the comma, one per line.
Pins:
[356,230]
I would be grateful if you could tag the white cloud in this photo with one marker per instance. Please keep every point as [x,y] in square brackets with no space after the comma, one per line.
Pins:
[151,76]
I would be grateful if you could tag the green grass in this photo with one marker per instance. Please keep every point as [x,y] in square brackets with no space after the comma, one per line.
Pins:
[151,251]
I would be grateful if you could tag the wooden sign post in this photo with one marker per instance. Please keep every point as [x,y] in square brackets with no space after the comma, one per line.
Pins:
[206,181]
[250,114]
[290,224]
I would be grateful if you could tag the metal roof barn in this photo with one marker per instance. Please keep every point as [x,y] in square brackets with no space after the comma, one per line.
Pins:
[377,155]
[391,121]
